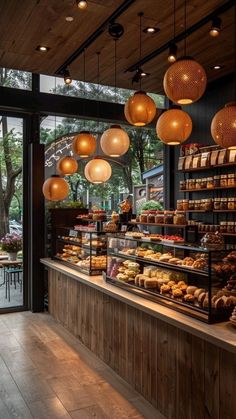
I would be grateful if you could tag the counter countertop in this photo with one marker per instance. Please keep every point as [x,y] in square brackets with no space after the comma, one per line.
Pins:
[220,334]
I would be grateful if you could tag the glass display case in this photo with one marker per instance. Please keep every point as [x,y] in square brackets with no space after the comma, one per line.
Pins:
[194,280]
[85,251]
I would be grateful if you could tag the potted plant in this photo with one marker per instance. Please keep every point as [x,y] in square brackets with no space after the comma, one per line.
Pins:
[11,243]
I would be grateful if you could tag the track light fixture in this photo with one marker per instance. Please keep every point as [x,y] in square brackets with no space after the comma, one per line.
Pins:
[172,56]
[215,27]
[139,74]
[82,4]
[67,77]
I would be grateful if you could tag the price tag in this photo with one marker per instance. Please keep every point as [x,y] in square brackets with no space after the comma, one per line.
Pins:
[145,231]
[73,233]
[124,228]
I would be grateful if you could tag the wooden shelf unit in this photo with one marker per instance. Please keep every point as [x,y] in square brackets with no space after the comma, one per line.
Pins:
[208,189]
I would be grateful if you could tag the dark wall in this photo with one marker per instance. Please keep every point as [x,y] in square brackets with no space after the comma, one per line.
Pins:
[201,112]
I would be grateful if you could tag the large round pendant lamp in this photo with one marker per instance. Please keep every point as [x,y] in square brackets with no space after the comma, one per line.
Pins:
[67,165]
[223,126]
[114,141]
[174,126]
[140,109]
[84,144]
[97,171]
[185,81]
[55,188]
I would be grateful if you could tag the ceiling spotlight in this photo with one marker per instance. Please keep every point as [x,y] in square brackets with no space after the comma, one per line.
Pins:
[67,77]
[69,18]
[151,29]
[42,48]
[172,56]
[215,27]
[82,4]
[138,75]
[216,67]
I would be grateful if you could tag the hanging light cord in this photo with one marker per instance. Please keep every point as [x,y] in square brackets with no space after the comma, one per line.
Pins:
[185,27]
[84,69]
[115,40]
[235,52]
[140,45]
[174,17]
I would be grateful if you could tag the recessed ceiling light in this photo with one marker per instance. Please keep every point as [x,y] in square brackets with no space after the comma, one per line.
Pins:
[217,67]
[82,4]
[69,18]
[151,29]
[42,48]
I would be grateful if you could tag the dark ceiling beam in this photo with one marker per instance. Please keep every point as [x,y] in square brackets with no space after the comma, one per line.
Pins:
[220,10]
[118,12]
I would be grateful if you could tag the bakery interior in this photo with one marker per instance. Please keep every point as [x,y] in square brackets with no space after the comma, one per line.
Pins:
[117,208]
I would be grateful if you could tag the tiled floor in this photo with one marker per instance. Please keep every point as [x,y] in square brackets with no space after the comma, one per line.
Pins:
[46,373]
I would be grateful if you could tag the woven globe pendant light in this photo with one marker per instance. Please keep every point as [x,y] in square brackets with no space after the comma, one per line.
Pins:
[140,109]
[223,126]
[84,144]
[185,81]
[114,141]
[67,165]
[55,188]
[174,126]
[97,171]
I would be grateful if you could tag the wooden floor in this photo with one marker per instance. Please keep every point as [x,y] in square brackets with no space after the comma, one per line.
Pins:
[47,373]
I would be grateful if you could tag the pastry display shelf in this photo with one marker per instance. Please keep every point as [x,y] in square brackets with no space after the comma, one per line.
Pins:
[208,189]
[198,169]
[83,246]
[88,271]
[156,262]
[156,296]
[159,225]
[165,244]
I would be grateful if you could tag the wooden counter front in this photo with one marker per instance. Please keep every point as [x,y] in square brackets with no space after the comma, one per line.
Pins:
[185,372]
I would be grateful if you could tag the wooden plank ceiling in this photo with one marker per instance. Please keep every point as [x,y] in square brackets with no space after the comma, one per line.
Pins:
[25,25]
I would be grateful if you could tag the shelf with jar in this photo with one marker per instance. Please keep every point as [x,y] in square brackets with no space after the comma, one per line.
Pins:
[207,205]
[218,182]
[187,278]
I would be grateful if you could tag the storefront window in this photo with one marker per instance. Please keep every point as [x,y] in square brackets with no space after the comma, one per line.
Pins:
[11,216]
[15,79]
[56,85]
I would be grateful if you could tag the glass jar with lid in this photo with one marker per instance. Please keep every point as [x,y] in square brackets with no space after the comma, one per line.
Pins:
[198,184]
[210,183]
[192,183]
[224,181]
[217,204]
[223,204]
[144,216]
[182,185]
[185,205]
[191,205]
[151,216]
[223,227]
[208,204]
[230,227]
[231,203]
[216,181]
[179,219]
[159,218]
[180,204]
[168,217]
[232,180]
[203,183]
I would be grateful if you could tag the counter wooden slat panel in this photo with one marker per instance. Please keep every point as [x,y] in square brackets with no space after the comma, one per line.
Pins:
[182,375]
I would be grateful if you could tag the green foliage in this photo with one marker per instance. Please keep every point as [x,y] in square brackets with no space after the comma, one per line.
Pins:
[150,205]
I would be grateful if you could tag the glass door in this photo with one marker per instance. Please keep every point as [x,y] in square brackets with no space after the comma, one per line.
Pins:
[12,285]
